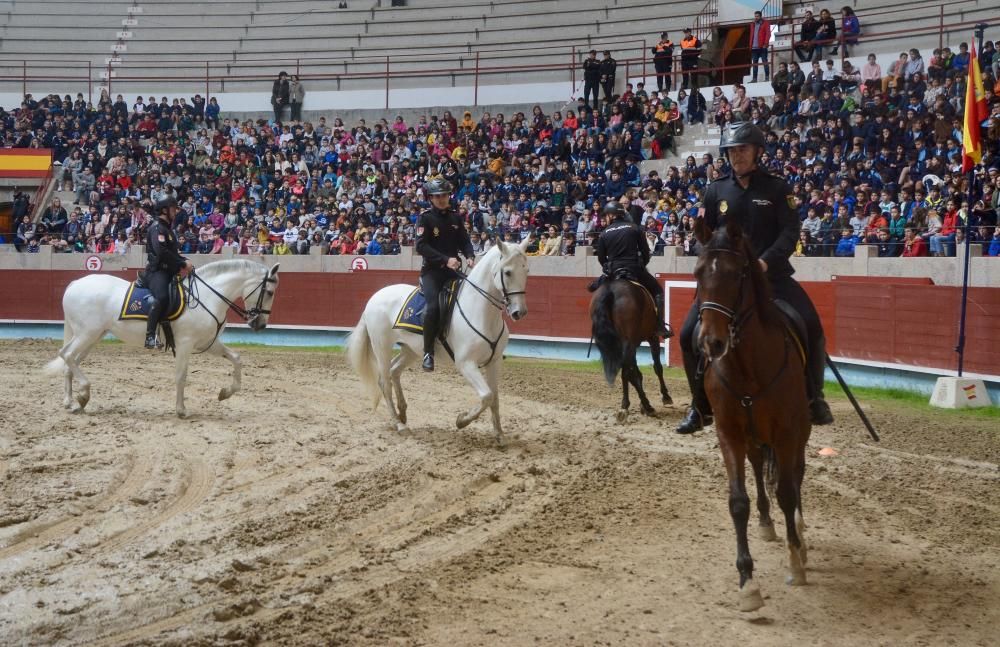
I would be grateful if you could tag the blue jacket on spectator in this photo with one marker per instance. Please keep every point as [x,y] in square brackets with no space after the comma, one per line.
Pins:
[846,246]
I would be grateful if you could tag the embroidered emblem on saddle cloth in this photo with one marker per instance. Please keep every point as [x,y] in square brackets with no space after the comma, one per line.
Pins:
[138,302]
[411,315]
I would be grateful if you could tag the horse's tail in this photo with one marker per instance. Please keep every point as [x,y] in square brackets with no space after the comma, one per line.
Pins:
[55,367]
[770,471]
[362,358]
[58,365]
[606,336]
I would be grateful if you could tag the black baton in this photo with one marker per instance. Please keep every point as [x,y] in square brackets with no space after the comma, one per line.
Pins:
[850,396]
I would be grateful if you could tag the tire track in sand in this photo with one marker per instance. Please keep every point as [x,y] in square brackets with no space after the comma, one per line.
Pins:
[197,485]
[39,535]
[421,541]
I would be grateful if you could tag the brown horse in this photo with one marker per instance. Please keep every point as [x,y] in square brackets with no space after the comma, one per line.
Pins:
[755,381]
[622,316]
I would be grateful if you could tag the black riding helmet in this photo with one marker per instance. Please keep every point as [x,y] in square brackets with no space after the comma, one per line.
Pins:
[438,186]
[616,211]
[745,132]
[166,206]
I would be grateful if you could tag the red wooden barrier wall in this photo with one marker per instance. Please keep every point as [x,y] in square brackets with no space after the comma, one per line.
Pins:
[876,320]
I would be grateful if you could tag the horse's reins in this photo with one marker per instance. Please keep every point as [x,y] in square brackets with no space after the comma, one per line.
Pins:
[243,313]
[495,302]
[736,321]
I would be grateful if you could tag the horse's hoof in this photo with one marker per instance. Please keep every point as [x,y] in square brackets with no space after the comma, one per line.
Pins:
[461,422]
[182,414]
[622,415]
[796,579]
[225,394]
[82,401]
[750,597]
[649,411]
[402,428]
[766,533]
[402,417]
[668,401]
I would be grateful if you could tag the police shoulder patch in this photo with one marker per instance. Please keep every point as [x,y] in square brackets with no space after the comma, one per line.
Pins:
[791,201]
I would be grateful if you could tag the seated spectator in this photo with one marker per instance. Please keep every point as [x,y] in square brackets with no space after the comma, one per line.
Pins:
[887,247]
[847,243]
[913,245]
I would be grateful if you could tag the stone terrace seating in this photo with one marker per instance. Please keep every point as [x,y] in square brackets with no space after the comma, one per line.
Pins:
[259,38]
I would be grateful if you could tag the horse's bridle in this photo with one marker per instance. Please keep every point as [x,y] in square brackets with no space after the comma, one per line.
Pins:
[495,302]
[736,315]
[244,313]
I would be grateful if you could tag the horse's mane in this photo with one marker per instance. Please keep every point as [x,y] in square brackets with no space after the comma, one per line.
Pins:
[218,267]
[766,309]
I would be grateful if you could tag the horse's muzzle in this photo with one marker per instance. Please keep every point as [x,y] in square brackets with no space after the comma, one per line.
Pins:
[517,314]
[257,324]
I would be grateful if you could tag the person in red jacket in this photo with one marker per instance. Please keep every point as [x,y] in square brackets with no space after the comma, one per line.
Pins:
[760,38]
[913,245]
[943,243]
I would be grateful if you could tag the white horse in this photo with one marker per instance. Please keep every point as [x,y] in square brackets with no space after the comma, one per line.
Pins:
[92,304]
[477,334]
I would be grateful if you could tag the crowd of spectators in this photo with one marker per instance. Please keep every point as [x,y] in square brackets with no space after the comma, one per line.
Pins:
[872,157]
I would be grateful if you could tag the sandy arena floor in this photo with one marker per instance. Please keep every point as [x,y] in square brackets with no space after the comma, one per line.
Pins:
[291,515]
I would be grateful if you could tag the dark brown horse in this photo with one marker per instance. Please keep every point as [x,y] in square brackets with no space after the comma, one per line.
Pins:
[755,381]
[622,316]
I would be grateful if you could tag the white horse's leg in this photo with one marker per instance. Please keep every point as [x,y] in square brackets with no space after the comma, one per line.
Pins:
[493,380]
[478,382]
[180,378]
[382,349]
[400,363]
[67,373]
[221,350]
[73,353]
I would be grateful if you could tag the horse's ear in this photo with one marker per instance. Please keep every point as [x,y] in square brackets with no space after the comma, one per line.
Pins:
[524,244]
[502,247]
[701,231]
[733,230]
[274,269]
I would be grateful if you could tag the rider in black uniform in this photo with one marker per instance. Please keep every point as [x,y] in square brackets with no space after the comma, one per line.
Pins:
[164,263]
[441,236]
[623,247]
[763,205]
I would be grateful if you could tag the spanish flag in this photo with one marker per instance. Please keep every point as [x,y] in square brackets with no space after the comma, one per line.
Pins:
[975,113]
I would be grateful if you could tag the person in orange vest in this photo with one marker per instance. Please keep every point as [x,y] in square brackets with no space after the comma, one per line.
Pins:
[760,38]
[690,52]
[663,60]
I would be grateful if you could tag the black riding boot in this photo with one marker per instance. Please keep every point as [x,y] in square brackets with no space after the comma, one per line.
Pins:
[152,322]
[428,364]
[819,410]
[699,413]
[661,320]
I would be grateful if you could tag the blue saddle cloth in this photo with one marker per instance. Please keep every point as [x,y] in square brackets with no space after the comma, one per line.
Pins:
[138,302]
[411,315]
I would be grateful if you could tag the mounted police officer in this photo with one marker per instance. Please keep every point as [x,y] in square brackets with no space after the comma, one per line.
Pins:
[441,237]
[763,205]
[622,248]
[164,263]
